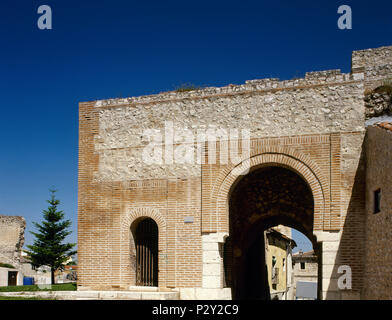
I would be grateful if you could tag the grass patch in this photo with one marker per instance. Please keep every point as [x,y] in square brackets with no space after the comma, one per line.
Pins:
[55,287]
[187,87]
[6,265]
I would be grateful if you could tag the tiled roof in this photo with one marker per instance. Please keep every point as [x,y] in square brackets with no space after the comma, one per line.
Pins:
[385,125]
[71,267]
[276,232]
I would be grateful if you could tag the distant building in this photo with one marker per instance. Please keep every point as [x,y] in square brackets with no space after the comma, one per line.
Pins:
[11,243]
[305,275]
[41,275]
[14,263]
[279,262]
[68,274]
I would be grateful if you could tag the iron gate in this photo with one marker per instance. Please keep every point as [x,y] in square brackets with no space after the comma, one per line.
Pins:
[147,253]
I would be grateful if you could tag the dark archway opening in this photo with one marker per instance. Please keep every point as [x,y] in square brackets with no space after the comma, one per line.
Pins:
[145,234]
[266,197]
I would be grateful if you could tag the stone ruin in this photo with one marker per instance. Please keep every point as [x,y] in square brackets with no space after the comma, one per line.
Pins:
[12,230]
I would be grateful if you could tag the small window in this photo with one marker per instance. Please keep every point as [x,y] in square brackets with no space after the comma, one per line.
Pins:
[302,265]
[377,201]
[273,261]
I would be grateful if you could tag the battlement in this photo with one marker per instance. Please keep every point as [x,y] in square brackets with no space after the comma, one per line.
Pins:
[366,64]
[318,78]
[371,58]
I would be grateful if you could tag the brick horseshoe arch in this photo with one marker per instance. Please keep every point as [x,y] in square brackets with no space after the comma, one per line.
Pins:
[282,150]
[127,256]
[137,213]
[299,163]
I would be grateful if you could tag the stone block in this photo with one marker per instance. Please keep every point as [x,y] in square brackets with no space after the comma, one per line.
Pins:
[211,257]
[187,293]
[330,271]
[160,296]
[330,257]
[327,236]
[129,295]
[330,246]
[213,294]
[214,237]
[105,295]
[87,294]
[211,269]
[210,246]
[211,282]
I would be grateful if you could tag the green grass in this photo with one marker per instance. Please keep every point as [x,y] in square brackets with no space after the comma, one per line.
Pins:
[6,265]
[187,87]
[55,287]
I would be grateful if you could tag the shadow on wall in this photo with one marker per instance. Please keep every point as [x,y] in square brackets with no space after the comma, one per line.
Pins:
[351,250]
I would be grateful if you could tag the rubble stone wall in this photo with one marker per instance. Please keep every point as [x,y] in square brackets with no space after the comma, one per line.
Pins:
[11,238]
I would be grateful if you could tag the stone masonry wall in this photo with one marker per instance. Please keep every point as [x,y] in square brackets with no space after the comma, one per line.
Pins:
[11,239]
[322,102]
[307,274]
[376,65]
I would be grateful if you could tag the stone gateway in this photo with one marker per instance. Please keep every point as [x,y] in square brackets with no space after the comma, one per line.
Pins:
[194,226]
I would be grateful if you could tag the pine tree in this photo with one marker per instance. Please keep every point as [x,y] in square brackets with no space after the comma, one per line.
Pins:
[48,248]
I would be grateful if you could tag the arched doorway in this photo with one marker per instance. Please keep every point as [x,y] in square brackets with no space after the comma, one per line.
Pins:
[145,235]
[266,197]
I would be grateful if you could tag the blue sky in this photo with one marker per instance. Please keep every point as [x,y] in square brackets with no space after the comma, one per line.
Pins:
[107,49]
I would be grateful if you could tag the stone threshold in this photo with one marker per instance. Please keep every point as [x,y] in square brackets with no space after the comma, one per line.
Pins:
[96,295]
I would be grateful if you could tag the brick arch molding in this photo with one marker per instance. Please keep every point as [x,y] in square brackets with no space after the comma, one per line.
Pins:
[299,163]
[128,276]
